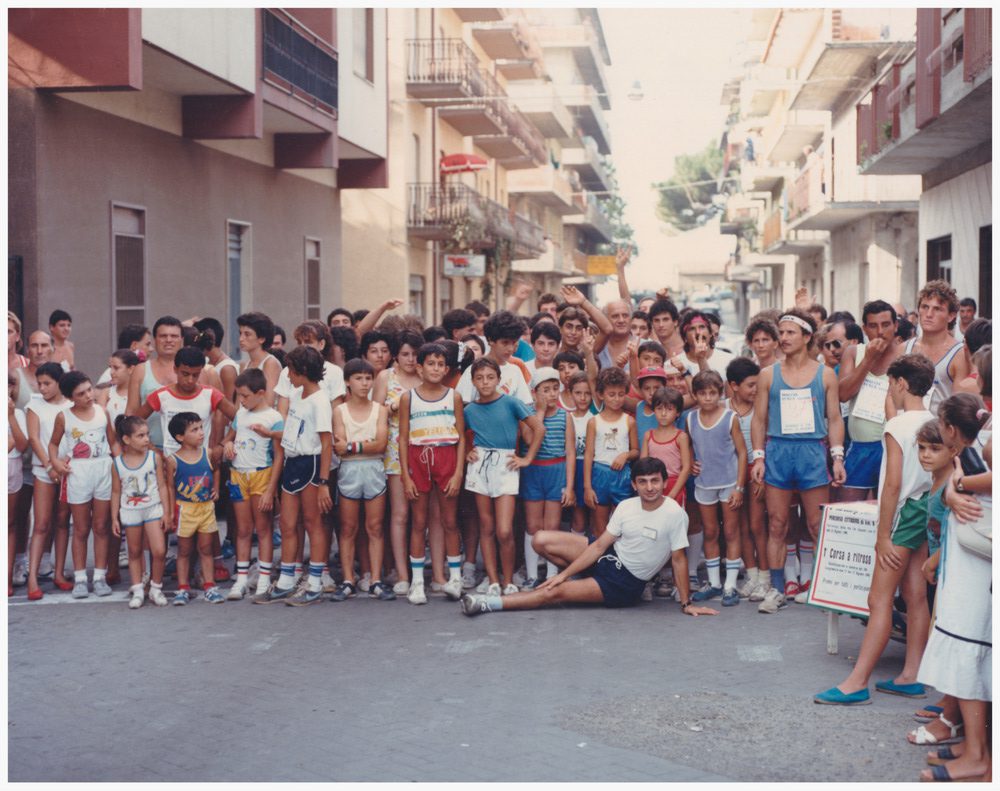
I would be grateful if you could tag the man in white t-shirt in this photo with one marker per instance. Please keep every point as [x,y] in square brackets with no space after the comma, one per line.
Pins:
[643,532]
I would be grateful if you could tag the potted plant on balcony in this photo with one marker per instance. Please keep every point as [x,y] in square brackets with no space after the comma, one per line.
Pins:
[466,231]
[498,269]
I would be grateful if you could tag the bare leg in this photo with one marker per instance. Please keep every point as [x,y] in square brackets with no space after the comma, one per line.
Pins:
[435,537]
[319,550]
[975,759]
[207,543]
[349,511]
[449,509]
[758,532]
[81,534]
[184,547]
[288,522]
[918,618]
[777,509]
[101,516]
[59,536]
[487,539]
[157,551]
[44,497]
[374,517]
[561,548]
[399,516]
[600,520]
[585,591]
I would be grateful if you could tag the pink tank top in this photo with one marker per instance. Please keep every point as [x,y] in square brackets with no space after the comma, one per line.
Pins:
[668,452]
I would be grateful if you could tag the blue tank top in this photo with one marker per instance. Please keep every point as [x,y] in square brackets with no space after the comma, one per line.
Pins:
[193,482]
[714,450]
[817,396]
[148,385]
[644,422]
[554,444]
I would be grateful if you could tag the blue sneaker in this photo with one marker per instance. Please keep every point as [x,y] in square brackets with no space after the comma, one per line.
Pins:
[707,594]
[730,598]
[834,697]
[344,591]
[276,594]
[529,584]
[381,591]
[214,595]
[181,598]
[304,597]
[228,550]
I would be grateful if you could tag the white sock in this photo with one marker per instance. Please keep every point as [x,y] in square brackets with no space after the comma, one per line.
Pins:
[806,550]
[752,575]
[551,568]
[791,560]
[712,565]
[732,571]
[695,542]
[530,558]
[454,567]
[100,574]
[80,575]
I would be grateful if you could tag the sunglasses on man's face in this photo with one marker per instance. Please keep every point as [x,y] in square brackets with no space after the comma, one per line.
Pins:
[832,345]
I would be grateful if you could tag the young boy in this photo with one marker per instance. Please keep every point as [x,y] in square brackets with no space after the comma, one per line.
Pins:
[249,446]
[431,442]
[493,474]
[545,340]
[721,452]
[611,445]
[193,494]
[503,330]
[547,483]
[649,380]
[901,545]
[741,374]
[60,328]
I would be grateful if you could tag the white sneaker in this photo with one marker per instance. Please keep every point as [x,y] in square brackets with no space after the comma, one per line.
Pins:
[453,588]
[647,592]
[401,588]
[759,591]
[136,598]
[20,575]
[328,583]
[484,586]
[511,588]
[468,575]
[45,567]
[237,591]
[437,588]
[519,577]
[494,589]
[773,601]
[416,594]
[745,588]
[123,556]
[156,596]
[365,583]
[253,574]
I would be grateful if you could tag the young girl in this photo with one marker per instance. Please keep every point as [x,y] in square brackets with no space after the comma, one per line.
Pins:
[87,477]
[389,388]
[493,475]
[41,417]
[939,460]
[17,443]
[114,397]
[612,443]
[668,443]
[582,412]
[301,464]
[138,492]
[360,434]
[722,455]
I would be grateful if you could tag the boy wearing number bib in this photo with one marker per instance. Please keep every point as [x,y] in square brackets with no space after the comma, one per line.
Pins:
[796,412]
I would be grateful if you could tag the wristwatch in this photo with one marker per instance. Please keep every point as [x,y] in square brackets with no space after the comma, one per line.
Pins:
[323,481]
[685,605]
[959,487]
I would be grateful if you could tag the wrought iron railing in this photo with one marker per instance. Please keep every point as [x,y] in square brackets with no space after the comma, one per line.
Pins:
[299,61]
[444,61]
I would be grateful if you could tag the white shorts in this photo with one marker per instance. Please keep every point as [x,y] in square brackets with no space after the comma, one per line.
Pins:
[88,479]
[137,517]
[489,474]
[361,479]
[40,474]
[712,496]
[15,476]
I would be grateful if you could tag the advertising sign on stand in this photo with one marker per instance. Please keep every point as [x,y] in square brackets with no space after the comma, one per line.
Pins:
[845,557]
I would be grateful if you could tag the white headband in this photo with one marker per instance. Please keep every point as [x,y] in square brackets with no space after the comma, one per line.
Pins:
[796,320]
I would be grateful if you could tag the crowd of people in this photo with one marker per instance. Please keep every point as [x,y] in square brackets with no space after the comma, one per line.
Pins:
[580,455]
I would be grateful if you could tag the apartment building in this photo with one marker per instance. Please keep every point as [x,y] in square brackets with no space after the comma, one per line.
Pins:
[806,216]
[931,114]
[188,162]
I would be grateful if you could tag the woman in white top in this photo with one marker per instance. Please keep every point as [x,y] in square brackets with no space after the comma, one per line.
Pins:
[256,334]
[209,340]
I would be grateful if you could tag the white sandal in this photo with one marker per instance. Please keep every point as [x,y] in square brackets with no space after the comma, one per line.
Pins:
[922,735]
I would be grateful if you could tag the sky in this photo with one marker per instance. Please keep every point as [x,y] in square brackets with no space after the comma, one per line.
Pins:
[682,57]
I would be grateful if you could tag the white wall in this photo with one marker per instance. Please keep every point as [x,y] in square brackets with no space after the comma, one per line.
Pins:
[362,117]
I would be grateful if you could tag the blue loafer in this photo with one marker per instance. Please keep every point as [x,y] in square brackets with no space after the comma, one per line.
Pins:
[905,690]
[834,697]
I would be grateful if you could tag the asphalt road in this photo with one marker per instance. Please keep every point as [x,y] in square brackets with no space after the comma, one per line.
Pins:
[367,690]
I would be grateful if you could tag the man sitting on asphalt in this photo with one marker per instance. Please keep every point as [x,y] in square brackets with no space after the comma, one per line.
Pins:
[613,569]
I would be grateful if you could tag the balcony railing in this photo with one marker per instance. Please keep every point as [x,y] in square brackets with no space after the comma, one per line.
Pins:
[299,62]
[529,238]
[443,68]
[978,42]
[772,230]
[807,191]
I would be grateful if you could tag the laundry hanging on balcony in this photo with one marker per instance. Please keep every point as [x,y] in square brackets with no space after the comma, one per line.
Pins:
[462,163]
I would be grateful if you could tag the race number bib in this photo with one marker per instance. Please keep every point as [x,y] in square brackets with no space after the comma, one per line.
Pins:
[797,412]
[870,402]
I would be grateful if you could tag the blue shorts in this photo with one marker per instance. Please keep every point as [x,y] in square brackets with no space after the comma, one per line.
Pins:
[299,472]
[862,463]
[795,464]
[611,486]
[543,481]
[578,484]
[619,586]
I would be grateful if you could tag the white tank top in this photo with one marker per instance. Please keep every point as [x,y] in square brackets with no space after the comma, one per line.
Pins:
[610,439]
[360,431]
[87,439]
[580,432]
[46,412]
[139,484]
[943,384]
[116,404]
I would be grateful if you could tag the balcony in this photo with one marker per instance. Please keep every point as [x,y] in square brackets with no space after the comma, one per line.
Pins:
[512,45]
[587,51]
[942,99]
[550,261]
[529,239]
[443,68]
[518,145]
[588,163]
[593,219]
[772,230]
[545,185]
[762,176]
[589,114]
[300,63]
[479,14]
[840,66]
[789,131]
[479,117]
[540,104]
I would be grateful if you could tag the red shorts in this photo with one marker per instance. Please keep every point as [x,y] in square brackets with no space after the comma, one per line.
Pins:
[671,481]
[432,464]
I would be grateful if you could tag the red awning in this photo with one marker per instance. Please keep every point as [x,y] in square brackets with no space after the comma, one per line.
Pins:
[462,163]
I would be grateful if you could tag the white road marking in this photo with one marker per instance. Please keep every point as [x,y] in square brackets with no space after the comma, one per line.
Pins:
[468,646]
[759,653]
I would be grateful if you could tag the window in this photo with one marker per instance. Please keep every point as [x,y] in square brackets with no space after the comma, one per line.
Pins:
[364,43]
[128,265]
[312,278]
[416,306]
[238,278]
[939,258]
[445,293]
[985,271]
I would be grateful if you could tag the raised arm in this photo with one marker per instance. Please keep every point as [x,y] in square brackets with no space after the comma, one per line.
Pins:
[622,257]
[370,321]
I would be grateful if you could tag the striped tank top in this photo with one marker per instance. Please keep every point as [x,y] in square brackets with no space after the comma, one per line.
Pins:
[554,444]
[433,422]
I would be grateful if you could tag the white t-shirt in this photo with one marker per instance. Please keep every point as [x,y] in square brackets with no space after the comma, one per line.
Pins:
[46,412]
[915,479]
[646,538]
[254,452]
[717,362]
[332,383]
[167,404]
[511,383]
[307,418]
